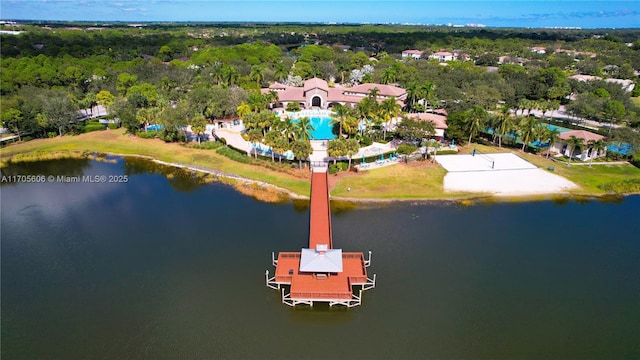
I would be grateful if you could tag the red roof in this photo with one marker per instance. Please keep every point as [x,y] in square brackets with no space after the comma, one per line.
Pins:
[581,134]
[439,121]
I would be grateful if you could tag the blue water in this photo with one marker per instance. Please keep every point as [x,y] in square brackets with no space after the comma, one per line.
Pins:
[322,128]
[559,128]
[164,267]
[154,127]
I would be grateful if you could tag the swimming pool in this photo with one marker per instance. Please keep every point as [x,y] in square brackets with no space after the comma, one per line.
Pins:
[560,129]
[322,128]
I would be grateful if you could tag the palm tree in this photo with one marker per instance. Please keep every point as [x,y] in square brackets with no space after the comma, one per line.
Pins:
[352,149]
[280,71]
[287,128]
[304,128]
[551,136]
[522,104]
[554,105]
[414,91]
[390,109]
[596,147]
[544,107]
[255,136]
[373,94]
[337,147]
[301,150]
[476,118]
[257,74]
[388,75]
[198,125]
[280,146]
[271,139]
[574,143]
[527,129]
[504,123]
[341,112]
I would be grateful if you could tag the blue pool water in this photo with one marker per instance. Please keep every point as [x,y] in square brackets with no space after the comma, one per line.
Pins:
[559,128]
[322,128]
[154,127]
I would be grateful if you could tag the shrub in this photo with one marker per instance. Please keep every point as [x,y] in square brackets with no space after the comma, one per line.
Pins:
[233,154]
[207,145]
[113,126]
[446,152]
[343,166]
[52,134]
[365,141]
[223,141]
[622,186]
[333,169]
[147,134]
[406,149]
[93,127]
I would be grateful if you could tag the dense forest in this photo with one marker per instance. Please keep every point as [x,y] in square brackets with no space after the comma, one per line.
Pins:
[174,74]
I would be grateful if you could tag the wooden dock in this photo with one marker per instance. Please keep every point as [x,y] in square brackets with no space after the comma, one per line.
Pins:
[320,273]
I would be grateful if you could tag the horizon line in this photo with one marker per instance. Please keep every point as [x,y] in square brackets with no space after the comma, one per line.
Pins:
[447,25]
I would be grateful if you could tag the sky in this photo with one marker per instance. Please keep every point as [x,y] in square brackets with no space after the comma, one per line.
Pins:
[497,13]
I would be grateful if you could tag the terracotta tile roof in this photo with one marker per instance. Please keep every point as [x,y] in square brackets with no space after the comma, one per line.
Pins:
[439,121]
[384,90]
[315,83]
[581,134]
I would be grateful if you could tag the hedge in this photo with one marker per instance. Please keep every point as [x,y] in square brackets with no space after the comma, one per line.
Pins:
[233,154]
[93,127]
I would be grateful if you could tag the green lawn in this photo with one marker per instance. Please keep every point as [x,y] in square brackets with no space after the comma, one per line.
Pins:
[116,142]
[391,182]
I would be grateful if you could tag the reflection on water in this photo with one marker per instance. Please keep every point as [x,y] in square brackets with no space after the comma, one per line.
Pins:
[147,270]
[181,179]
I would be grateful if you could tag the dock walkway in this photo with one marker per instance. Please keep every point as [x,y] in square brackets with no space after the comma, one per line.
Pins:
[320,273]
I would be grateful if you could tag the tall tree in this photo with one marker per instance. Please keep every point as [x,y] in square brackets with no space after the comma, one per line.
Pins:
[596,147]
[341,113]
[352,148]
[527,128]
[575,143]
[271,139]
[12,119]
[301,150]
[475,121]
[504,123]
[59,111]
[304,128]
[198,125]
[550,136]
[336,148]
[390,110]
[255,136]
[613,110]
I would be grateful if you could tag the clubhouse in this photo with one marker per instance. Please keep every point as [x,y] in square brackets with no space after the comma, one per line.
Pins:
[316,94]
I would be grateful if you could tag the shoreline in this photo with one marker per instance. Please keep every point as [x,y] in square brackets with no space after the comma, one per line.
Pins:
[291,196]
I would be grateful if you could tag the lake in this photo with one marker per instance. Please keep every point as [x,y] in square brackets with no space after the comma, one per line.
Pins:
[163,266]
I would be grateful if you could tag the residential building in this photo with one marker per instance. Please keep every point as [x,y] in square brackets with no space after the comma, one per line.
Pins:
[416,54]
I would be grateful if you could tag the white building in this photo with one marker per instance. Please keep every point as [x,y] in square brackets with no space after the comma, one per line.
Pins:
[416,54]
[561,146]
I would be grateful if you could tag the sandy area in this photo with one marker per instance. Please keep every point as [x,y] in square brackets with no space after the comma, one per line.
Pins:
[510,175]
